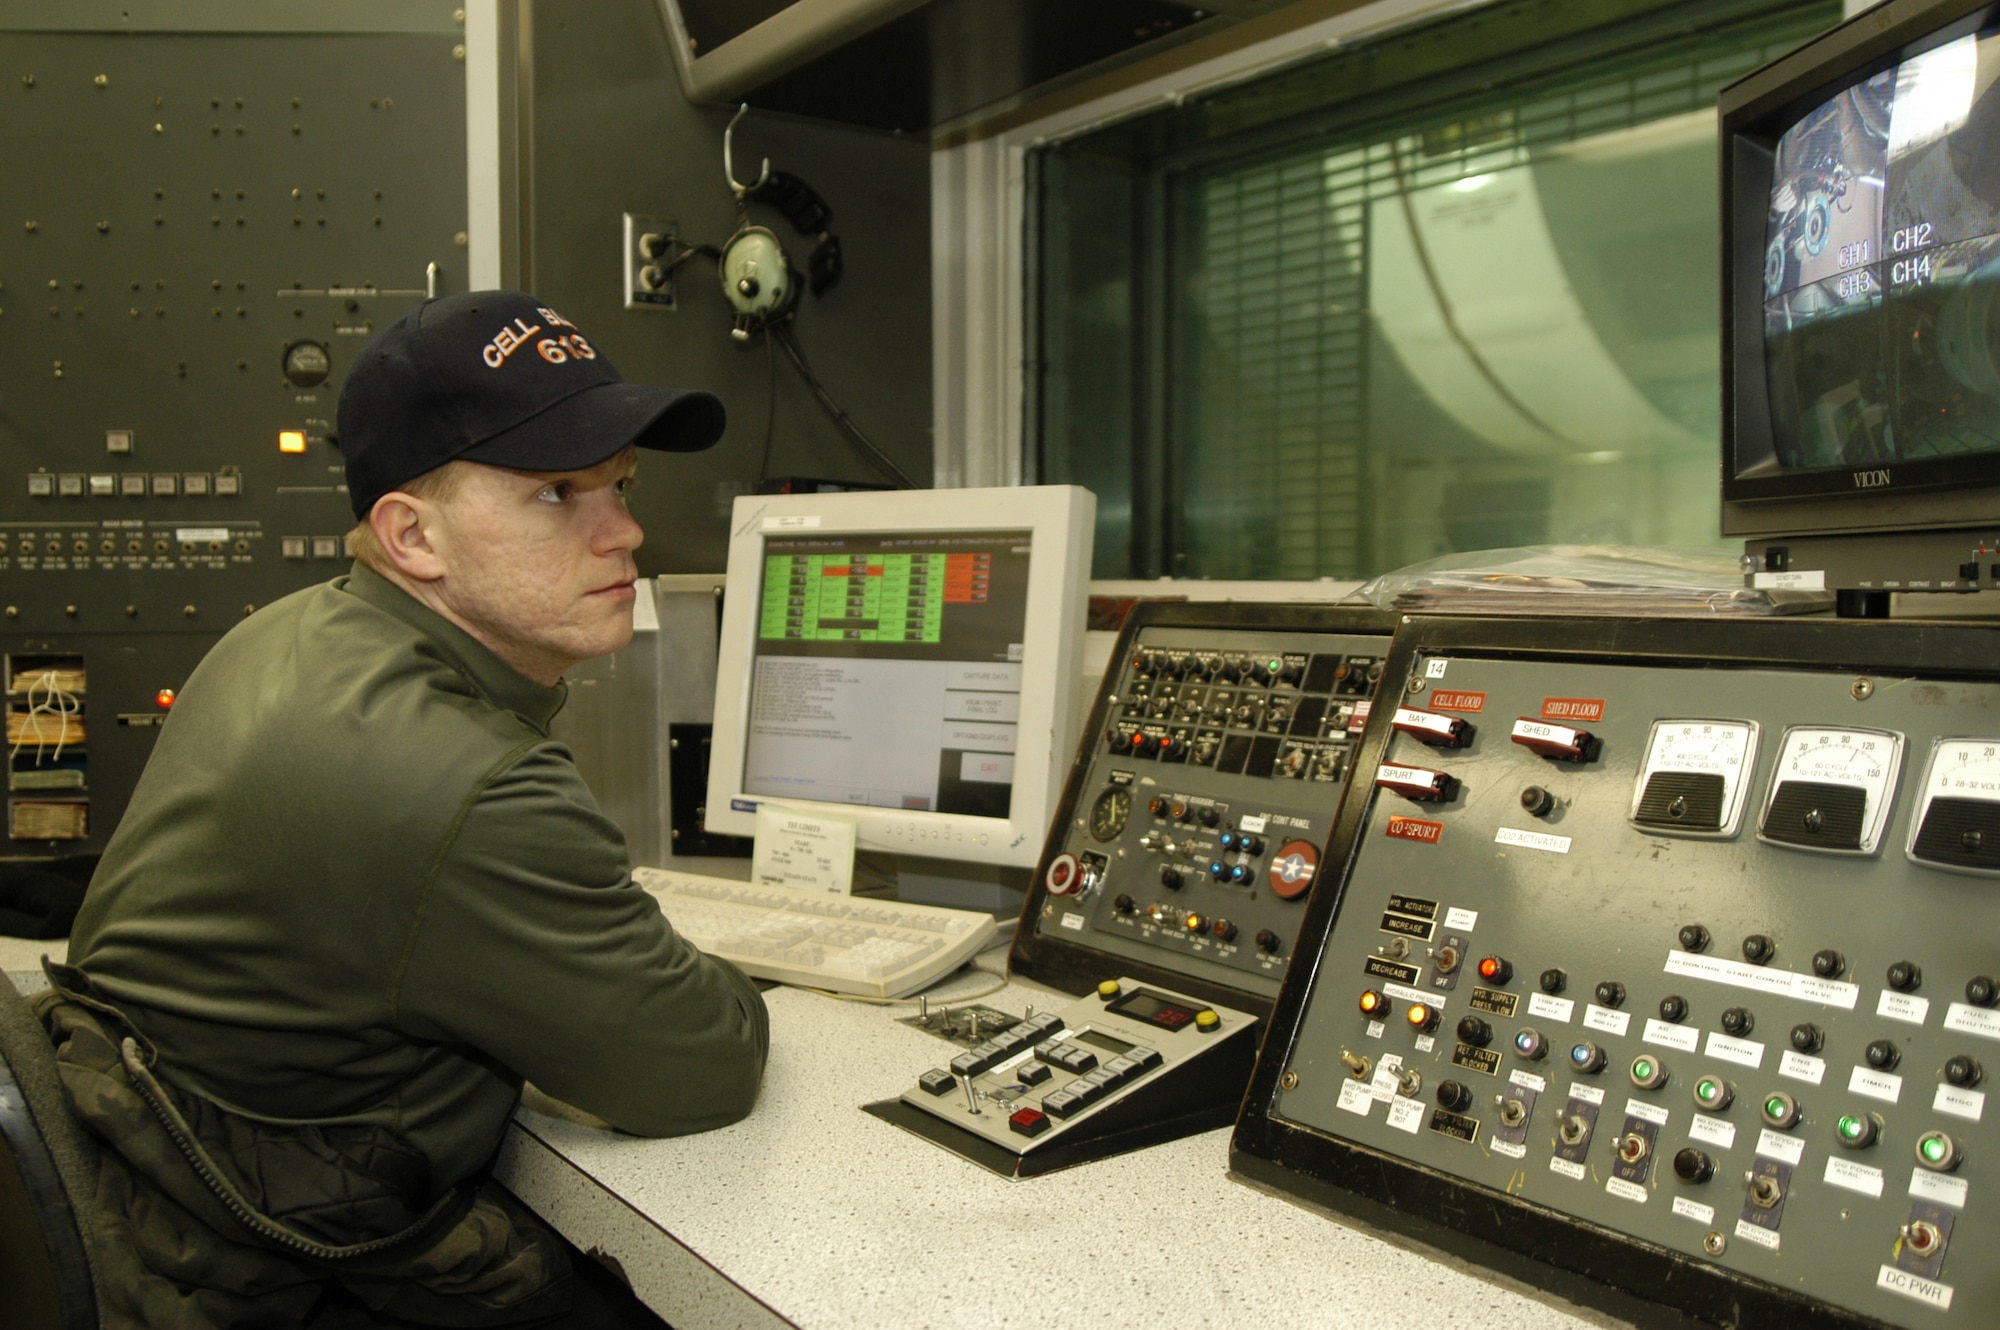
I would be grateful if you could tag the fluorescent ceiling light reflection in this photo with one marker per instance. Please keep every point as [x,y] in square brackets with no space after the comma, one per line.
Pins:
[1471,182]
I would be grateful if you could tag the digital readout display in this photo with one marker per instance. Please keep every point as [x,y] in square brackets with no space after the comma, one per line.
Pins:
[1104,1041]
[1155,1009]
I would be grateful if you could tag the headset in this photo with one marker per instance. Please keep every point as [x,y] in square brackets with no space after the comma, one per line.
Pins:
[758,279]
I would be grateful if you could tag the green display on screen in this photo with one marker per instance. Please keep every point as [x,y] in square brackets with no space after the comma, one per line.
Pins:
[851,597]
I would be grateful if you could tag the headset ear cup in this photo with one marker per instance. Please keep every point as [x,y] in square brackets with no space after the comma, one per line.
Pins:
[824,265]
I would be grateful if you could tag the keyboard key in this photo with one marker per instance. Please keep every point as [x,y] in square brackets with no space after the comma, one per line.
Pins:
[1061,1104]
[1122,1069]
[1147,1058]
[1032,1073]
[1029,1121]
[936,1081]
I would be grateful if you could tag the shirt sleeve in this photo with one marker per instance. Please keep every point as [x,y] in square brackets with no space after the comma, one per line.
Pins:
[535,947]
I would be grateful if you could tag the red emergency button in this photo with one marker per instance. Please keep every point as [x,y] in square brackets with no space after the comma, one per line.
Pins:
[1559,743]
[1418,783]
[1063,876]
[1029,1121]
[1431,728]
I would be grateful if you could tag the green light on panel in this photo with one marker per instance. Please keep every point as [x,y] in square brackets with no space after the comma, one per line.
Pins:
[1775,1107]
[1933,1148]
[1851,1127]
[1707,1090]
[1643,1069]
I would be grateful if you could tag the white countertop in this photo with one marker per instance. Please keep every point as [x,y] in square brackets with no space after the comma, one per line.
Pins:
[814,1213]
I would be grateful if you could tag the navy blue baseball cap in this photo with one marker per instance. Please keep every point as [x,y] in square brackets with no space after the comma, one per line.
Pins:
[498,377]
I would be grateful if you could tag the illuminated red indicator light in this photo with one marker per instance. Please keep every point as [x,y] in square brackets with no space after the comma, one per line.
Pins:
[1495,970]
[165,698]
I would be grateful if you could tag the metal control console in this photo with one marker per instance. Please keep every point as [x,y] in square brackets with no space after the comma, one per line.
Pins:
[1662,969]
[1189,833]
[1130,1066]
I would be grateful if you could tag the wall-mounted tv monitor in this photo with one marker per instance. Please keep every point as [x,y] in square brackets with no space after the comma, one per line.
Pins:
[908,659]
[1861,270]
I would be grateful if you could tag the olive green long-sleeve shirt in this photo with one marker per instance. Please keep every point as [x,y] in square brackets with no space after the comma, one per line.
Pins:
[359,883]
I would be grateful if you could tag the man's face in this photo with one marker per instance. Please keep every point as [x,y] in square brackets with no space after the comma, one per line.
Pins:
[538,565]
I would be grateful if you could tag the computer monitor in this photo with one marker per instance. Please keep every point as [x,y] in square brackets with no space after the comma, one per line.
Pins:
[1861,330]
[910,660]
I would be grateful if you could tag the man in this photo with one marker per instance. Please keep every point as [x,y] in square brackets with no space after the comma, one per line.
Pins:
[359,895]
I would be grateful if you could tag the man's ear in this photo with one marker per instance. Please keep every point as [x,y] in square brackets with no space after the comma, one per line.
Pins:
[405,528]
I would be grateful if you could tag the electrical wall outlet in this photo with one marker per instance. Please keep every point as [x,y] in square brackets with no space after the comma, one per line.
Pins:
[649,247]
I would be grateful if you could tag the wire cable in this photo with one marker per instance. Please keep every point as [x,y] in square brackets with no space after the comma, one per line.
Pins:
[770,410]
[840,417]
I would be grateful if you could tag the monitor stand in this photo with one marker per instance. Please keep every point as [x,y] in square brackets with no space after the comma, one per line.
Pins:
[959,886]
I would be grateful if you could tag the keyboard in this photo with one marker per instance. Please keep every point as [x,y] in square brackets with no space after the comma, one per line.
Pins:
[848,944]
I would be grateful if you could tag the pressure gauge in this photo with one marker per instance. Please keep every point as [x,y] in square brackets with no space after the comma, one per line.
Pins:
[1956,824]
[1694,776]
[1108,814]
[1833,789]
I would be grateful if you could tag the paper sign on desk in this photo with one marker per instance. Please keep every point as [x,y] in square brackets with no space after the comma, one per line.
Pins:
[799,850]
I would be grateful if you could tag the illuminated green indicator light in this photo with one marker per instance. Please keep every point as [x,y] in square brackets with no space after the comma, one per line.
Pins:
[1774,1107]
[1851,1127]
[1276,665]
[1707,1091]
[1933,1149]
[1643,1069]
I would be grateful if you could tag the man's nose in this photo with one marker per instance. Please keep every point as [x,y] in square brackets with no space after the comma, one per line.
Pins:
[617,529]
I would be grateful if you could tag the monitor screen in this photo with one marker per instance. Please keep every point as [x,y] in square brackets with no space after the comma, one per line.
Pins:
[887,670]
[907,659]
[1881,263]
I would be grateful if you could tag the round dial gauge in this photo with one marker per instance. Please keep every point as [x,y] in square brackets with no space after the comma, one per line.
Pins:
[1694,775]
[1108,814]
[1956,824]
[1833,789]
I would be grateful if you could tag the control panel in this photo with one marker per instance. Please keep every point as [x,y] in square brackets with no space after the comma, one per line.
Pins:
[1190,831]
[205,228]
[1666,958]
[1130,1065]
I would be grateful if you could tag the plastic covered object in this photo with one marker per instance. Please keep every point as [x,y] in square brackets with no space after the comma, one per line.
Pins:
[1646,581]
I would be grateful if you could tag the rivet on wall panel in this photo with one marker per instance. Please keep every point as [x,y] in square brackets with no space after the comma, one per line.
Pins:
[33,227]
[102,80]
[27,80]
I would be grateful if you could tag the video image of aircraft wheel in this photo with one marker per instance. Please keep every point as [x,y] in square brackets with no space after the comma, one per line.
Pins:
[1774,267]
[1819,223]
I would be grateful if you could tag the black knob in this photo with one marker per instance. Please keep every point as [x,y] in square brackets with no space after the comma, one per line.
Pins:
[1757,949]
[1611,993]
[1807,1037]
[1828,963]
[1453,1097]
[1472,1030]
[1554,980]
[1267,941]
[1673,1009]
[1981,991]
[1223,929]
[1157,805]
[1124,904]
[1252,845]
[1738,1021]
[1170,877]
[1692,1166]
[1694,937]
[1963,1071]
[1905,976]
[1537,802]
[1882,1054]
[1209,817]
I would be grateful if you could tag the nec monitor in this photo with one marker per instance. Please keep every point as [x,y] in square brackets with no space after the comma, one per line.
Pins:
[1861,270]
[909,660]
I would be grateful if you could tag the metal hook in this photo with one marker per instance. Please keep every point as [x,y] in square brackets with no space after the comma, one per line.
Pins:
[728,159]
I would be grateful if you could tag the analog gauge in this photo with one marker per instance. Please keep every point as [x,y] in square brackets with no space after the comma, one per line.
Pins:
[1956,824]
[1108,814]
[1694,776]
[1833,789]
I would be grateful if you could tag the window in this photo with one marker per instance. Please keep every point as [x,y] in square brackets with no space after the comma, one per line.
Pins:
[1454,289]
